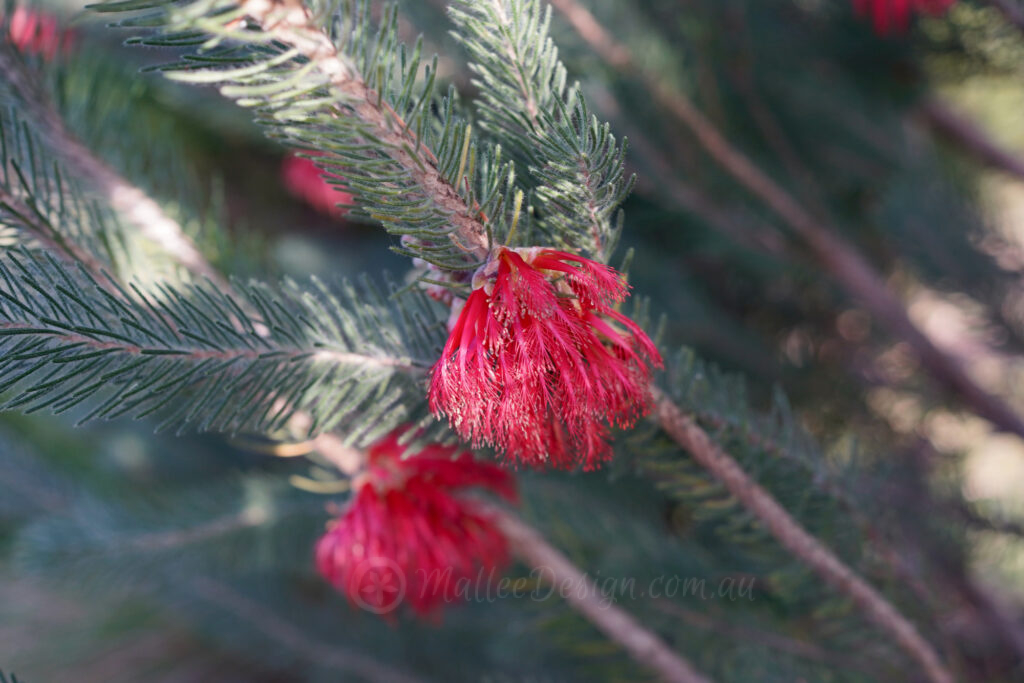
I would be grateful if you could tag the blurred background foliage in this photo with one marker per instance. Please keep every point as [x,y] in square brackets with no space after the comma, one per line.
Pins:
[126,557]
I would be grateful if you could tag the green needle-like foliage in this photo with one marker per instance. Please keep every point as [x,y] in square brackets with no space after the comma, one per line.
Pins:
[95,324]
[573,163]
[374,123]
[201,357]
[47,208]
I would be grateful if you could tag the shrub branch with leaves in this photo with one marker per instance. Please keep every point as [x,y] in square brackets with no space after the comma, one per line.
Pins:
[510,336]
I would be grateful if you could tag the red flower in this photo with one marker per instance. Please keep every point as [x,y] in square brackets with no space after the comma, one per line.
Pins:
[406,538]
[304,179]
[35,32]
[538,361]
[890,15]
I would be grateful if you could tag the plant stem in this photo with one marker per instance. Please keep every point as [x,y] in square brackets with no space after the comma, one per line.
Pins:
[966,134]
[585,597]
[838,257]
[685,431]
[292,25]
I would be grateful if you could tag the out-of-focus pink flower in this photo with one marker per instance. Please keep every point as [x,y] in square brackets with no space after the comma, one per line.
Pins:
[407,537]
[538,362]
[38,33]
[304,179]
[894,15]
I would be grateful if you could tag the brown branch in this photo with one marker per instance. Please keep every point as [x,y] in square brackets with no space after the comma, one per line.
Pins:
[759,502]
[91,341]
[966,134]
[838,257]
[772,130]
[644,646]
[747,231]
[535,551]
[142,212]
[928,590]
[248,518]
[291,24]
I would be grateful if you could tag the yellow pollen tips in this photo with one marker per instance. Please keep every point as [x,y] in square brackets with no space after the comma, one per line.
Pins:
[315,486]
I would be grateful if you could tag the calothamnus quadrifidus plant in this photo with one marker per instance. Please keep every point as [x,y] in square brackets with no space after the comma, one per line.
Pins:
[512,346]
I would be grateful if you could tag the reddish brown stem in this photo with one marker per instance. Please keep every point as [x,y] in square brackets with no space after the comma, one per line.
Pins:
[839,258]
[688,434]
[292,25]
[586,598]
[968,136]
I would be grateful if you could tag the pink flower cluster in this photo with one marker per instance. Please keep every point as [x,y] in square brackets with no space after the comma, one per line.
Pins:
[408,537]
[539,363]
[894,15]
[37,33]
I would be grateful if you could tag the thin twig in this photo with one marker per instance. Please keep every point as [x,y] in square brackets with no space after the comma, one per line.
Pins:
[585,596]
[746,230]
[643,645]
[51,239]
[838,257]
[515,59]
[292,24]
[772,130]
[247,518]
[685,431]
[982,522]
[555,568]
[230,354]
[966,134]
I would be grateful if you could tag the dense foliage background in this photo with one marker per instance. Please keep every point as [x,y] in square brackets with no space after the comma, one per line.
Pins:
[119,559]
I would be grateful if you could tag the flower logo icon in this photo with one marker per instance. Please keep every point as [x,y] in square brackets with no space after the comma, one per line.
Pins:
[379,585]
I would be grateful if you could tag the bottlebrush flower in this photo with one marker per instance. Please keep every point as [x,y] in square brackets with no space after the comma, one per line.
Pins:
[890,15]
[37,33]
[407,537]
[538,362]
[304,179]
